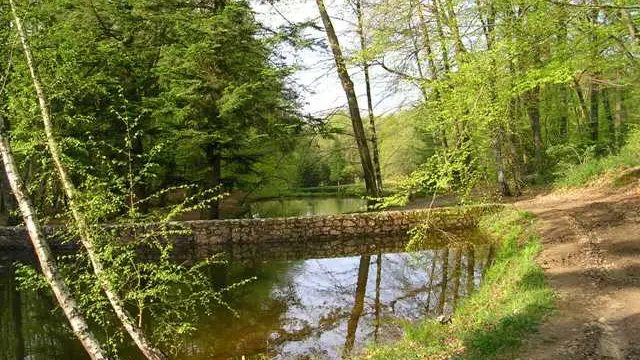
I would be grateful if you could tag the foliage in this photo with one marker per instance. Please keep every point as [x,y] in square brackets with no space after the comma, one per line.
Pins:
[590,168]
[511,90]
[139,260]
[202,89]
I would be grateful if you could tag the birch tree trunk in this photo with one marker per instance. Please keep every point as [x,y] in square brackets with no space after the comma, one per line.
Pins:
[352,100]
[45,257]
[86,238]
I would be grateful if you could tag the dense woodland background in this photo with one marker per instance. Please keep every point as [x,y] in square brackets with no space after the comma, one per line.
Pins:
[192,103]
[148,95]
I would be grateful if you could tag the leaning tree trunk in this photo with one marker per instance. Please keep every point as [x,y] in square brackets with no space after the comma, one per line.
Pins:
[358,304]
[45,256]
[352,100]
[367,81]
[86,238]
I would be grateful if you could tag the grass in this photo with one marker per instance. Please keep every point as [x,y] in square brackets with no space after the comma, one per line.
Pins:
[492,322]
[591,169]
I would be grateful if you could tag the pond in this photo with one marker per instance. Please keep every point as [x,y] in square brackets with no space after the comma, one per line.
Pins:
[306,206]
[319,300]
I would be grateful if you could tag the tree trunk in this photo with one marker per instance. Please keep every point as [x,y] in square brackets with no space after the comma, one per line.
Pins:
[564,116]
[377,298]
[444,48]
[455,277]
[367,81]
[491,255]
[498,137]
[352,100]
[619,116]
[584,111]
[45,256]
[86,238]
[471,268]
[8,202]
[433,70]
[533,110]
[512,141]
[431,278]
[611,126]
[442,300]
[452,22]
[215,157]
[358,304]
[594,112]
[594,89]
[497,147]
[562,88]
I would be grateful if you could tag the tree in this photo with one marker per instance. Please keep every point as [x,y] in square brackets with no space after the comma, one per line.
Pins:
[44,254]
[221,91]
[86,237]
[352,100]
[367,81]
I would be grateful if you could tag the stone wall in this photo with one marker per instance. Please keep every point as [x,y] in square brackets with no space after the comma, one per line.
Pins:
[212,233]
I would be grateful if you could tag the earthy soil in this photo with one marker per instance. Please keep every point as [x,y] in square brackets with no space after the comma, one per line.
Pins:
[591,258]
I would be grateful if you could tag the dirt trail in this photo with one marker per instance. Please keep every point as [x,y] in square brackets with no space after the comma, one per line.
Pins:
[591,258]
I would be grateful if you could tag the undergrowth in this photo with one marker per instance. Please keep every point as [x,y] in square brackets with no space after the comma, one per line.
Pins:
[490,323]
[591,168]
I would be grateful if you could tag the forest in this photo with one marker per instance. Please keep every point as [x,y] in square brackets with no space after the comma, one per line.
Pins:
[511,94]
[141,111]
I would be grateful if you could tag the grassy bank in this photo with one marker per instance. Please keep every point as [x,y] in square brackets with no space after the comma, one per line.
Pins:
[492,322]
[592,168]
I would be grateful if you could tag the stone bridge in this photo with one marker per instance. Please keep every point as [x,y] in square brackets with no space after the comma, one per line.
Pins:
[212,234]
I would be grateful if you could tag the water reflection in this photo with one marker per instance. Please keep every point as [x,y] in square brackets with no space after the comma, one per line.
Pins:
[28,327]
[358,304]
[311,300]
[306,206]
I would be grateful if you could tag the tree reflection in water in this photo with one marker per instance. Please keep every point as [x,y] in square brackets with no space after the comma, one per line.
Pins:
[327,306]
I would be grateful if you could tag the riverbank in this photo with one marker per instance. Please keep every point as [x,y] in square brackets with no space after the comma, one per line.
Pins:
[512,301]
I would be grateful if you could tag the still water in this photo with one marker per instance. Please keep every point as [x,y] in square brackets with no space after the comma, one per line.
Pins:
[306,206]
[315,301]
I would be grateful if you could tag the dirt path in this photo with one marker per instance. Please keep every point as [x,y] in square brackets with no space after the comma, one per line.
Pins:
[591,257]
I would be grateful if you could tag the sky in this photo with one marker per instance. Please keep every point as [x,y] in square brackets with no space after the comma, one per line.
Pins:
[320,87]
